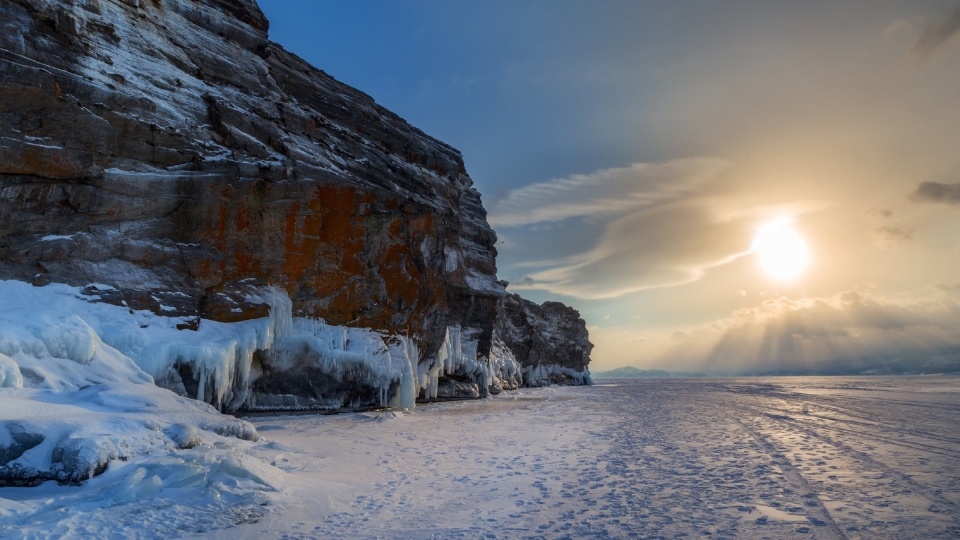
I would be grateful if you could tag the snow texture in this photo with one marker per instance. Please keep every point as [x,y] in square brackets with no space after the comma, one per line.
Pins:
[872,457]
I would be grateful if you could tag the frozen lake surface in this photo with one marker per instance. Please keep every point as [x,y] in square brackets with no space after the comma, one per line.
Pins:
[797,457]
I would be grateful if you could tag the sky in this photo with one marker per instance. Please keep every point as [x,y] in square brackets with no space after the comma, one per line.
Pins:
[632,156]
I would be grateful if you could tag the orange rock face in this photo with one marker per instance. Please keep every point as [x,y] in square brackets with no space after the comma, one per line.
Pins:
[355,260]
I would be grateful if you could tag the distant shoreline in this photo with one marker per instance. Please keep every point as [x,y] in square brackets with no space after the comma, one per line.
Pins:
[635,373]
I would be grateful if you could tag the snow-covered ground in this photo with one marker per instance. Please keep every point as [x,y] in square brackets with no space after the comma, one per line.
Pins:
[729,458]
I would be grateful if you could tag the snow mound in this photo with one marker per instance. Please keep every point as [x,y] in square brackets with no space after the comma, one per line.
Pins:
[214,486]
[70,403]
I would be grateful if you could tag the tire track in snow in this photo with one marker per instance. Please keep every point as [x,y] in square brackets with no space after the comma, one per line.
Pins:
[843,426]
[926,492]
[845,416]
[814,508]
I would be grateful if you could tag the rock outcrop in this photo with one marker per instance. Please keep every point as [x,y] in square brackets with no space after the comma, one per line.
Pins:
[170,154]
[550,341]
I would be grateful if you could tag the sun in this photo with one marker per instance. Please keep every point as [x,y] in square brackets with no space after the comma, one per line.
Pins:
[782,252]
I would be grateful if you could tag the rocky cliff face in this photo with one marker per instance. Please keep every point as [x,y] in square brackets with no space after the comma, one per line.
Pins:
[170,154]
[550,341]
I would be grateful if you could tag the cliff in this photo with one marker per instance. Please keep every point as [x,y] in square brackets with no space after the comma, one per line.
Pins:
[550,341]
[282,240]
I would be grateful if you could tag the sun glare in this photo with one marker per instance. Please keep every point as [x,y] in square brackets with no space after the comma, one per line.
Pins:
[783,253]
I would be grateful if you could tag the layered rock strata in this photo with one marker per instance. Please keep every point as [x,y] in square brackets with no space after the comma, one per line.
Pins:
[167,157]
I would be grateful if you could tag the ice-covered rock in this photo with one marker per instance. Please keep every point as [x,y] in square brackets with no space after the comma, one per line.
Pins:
[183,435]
[170,153]
[51,336]
[78,388]
[241,227]
[549,341]
[452,388]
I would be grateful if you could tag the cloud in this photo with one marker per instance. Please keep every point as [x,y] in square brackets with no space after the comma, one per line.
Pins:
[948,287]
[892,237]
[666,245]
[848,332]
[604,192]
[936,192]
[642,227]
[898,28]
[881,213]
[937,34]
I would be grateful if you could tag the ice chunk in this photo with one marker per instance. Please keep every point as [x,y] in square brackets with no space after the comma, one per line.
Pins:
[10,376]
[183,435]
[136,486]
[67,336]
[77,459]
[15,441]
[240,429]
[186,476]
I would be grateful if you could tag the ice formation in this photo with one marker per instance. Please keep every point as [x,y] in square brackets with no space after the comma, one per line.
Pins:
[65,348]
[506,370]
[10,376]
[59,322]
[548,374]
[71,401]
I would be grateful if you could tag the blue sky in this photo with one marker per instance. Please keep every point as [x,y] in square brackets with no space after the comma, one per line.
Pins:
[628,153]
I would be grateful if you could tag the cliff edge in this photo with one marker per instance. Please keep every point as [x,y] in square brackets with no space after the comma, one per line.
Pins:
[280,240]
[549,341]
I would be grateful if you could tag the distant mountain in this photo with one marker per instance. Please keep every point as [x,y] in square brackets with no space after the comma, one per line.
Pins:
[945,362]
[628,372]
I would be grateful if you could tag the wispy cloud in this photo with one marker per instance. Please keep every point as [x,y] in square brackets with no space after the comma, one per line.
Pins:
[936,192]
[658,225]
[879,213]
[604,192]
[667,245]
[936,34]
[948,287]
[892,237]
